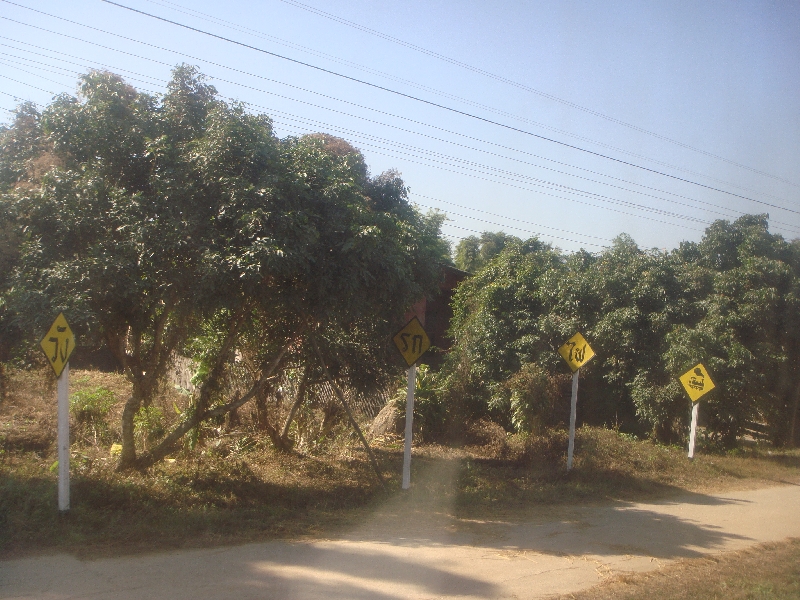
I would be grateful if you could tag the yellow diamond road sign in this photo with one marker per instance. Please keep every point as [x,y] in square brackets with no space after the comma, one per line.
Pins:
[412,341]
[577,352]
[696,382]
[58,344]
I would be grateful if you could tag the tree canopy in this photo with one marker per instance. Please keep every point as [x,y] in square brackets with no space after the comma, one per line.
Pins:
[731,301]
[181,223]
[473,252]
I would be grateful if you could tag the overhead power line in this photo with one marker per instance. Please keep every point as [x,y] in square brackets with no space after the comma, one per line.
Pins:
[241,29]
[434,104]
[536,233]
[501,172]
[382,123]
[522,86]
[28,84]
[484,178]
[510,218]
[527,189]
[471,167]
[506,175]
[549,235]
[241,71]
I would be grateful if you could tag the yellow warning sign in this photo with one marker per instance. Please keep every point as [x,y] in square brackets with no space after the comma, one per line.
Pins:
[577,352]
[58,344]
[696,382]
[412,341]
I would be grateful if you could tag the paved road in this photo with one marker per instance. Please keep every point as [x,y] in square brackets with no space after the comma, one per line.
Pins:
[424,553]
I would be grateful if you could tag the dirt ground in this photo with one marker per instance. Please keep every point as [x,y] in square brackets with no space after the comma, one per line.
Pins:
[412,547]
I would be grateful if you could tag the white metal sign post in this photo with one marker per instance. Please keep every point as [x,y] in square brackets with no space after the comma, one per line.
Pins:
[63,439]
[412,384]
[577,352]
[572,417]
[412,341]
[693,430]
[57,345]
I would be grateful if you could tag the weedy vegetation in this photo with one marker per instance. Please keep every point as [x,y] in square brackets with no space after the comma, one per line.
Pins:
[233,486]
[764,572]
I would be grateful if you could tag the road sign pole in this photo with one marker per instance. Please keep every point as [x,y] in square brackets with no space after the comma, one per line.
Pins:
[572,415]
[693,430]
[412,383]
[63,439]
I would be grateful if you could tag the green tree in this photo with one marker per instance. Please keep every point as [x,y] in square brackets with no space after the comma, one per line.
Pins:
[473,252]
[181,223]
[730,301]
[496,330]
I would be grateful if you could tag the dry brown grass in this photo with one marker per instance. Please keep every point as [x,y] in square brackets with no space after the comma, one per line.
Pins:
[511,476]
[764,572]
[234,487]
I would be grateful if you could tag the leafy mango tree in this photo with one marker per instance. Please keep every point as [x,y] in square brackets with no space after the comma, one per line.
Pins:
[473,252]
[182,223]
[730,301]
[497,331]
[745,304]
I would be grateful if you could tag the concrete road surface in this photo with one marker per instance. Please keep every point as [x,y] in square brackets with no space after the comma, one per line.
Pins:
[422,552]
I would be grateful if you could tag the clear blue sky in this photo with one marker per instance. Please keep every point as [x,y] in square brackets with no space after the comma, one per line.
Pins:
[720,77]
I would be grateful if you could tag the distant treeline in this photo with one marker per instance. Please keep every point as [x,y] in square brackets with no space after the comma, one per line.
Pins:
[731,301]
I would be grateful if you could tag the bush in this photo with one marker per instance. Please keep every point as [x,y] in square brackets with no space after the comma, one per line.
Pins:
[90,408]
[430,411]
[536,398]
[149,425]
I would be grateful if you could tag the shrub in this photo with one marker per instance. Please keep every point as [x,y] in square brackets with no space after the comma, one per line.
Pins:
[430,412]
[90,408]
[148,425]
[536,397]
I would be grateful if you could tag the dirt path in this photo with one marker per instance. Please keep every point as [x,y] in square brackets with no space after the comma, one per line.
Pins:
[415,550]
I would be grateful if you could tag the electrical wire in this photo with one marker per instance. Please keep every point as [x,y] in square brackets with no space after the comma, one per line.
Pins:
[358,134]
[434,104]
[393,156]
[30,85]
[521,86]
[223,23]
[502,173]
[498,173]
[386,113]
[504,183]
[536,233]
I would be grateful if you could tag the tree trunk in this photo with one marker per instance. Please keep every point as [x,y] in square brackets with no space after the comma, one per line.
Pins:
[277,441]
[128,457]
[262,416]
[232,420]
[143,390]
[2,382]
[301,393]
[203,413]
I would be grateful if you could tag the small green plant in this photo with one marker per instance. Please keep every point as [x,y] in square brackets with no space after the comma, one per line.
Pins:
[430,413]
[90,408]
[535,396]
[243,445]
[148,425]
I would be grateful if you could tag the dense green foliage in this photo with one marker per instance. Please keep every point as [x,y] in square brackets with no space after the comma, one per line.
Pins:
[473,252]
[183,224]
[731,301]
